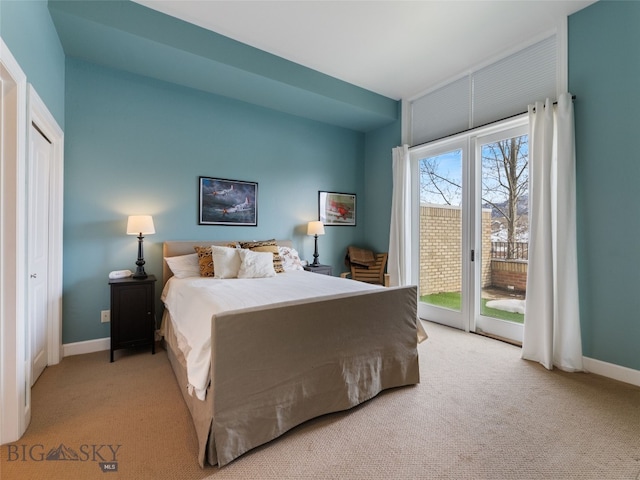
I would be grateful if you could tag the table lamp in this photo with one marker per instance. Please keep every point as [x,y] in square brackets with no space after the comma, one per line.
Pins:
[140,225]
[315,228]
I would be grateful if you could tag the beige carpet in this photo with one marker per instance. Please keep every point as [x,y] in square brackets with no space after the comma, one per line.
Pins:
[480,412]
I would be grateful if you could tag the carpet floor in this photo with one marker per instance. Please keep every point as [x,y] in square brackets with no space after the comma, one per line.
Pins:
[480,412]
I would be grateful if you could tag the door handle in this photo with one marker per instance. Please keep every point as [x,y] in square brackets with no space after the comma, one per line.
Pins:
[34,275]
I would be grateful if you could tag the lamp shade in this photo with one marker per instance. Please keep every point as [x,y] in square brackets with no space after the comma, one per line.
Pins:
[315,228]
[140,224]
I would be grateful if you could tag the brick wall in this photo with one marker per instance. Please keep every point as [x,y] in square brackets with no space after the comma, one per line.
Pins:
[509,274]
[440,249]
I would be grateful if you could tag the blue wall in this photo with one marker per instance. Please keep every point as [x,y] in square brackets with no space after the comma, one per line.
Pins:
[604,74]
[28,31]
[136,145]
[378,183]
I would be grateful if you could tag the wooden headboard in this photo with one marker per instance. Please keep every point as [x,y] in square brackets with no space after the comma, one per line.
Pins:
[183,247]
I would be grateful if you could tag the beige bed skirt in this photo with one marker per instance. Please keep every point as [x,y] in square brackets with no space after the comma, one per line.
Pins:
[201,411]
[276,367]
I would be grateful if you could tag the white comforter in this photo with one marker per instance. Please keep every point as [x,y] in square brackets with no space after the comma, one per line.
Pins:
[193,301]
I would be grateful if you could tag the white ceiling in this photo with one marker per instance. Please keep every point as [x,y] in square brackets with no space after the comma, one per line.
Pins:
[395,48]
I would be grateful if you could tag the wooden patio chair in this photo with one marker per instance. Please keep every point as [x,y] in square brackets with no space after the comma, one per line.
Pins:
[372,274]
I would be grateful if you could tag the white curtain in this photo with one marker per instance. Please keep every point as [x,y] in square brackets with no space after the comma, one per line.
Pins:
[552,318]
[399,259]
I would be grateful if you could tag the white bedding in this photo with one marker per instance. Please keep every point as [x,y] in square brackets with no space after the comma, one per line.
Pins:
[193,301]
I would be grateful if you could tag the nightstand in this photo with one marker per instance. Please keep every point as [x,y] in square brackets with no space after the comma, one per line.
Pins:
[133,313]
[321,269]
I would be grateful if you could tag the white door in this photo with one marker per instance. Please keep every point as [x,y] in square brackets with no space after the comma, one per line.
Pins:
[443,242]
[502,232]
[472,235]
[40,156]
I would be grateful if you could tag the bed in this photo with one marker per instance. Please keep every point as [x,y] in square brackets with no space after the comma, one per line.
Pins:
[281,350]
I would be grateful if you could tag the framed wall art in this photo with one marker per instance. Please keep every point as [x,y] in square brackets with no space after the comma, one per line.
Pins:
[337,208]
[227,202]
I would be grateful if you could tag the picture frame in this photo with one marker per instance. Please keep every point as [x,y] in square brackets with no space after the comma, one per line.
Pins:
[337,209]
[227,202]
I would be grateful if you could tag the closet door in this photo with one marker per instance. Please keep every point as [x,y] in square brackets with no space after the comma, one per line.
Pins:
[40,159]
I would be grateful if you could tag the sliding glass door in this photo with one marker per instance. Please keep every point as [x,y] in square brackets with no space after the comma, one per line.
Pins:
[442,239]
[471,242]
[502,232]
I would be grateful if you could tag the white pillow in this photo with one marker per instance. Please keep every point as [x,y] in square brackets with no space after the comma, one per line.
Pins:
[290,258]
[226,261]
[255,264]
[184,266]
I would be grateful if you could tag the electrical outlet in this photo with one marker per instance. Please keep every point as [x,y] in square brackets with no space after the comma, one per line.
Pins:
[105,316]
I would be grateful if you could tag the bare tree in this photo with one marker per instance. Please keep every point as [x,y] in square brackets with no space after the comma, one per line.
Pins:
[437,185]
[505,183]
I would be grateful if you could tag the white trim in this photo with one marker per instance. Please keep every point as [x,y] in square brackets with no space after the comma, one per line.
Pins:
[559,33]
[444,316]
[562,56]
[442,144]
[14,392]
[490,61]
[468,318]
[89,346]
[405,122]
[40,115]
[610,370]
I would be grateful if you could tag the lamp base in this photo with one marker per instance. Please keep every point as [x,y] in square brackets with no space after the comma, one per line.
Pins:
[315,253]
[139,273]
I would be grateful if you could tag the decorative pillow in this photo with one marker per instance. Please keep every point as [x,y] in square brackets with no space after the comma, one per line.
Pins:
[255,264]
[184,266]
[290,259]
[205,261]
[226,261]
[266,246]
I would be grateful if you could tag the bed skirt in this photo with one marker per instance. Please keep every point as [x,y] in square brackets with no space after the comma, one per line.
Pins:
[275,367]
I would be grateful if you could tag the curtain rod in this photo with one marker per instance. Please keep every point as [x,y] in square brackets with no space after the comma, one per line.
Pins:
[573,97]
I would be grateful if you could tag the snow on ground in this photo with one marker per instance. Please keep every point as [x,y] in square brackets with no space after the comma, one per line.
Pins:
[508,305]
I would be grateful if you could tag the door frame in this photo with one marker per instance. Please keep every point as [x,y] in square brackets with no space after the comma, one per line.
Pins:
[20,107]
[15,412]
[480,323]
[469,316]
[40,116]
[456,319]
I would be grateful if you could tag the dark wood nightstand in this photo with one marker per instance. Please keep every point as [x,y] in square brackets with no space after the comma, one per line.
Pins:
[322,269]
[133,313]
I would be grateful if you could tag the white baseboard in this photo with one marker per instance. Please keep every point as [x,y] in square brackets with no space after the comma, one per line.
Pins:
[610,370]
[90,346]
